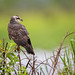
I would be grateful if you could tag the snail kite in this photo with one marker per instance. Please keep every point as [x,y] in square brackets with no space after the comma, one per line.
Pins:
[18,33]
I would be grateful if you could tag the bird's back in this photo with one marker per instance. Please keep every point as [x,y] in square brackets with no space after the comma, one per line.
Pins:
[19,34]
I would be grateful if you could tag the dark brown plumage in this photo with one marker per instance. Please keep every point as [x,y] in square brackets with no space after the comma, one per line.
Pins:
[19,34]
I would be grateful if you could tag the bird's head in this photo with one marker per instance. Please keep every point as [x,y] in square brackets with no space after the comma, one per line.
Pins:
[15,19]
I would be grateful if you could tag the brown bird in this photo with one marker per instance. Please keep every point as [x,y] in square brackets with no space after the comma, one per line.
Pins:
[18,33]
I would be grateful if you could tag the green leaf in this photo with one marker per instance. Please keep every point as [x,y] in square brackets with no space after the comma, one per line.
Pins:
[46,69]
[42,70]
[10,57]
[0,67]
[64,62]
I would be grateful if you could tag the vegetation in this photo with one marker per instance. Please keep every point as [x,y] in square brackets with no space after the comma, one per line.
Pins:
[68,60]
[11,64]
[9,61]
[46,21]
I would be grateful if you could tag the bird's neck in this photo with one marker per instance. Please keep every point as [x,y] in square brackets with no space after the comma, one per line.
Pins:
[13,21]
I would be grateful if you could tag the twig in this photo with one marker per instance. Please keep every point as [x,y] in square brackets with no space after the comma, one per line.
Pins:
[42,62]
[57,56]
[4,55]
[25,54]
[27,57]
[15,70]
[19,57]
[3,58]
[27,64]
[3,43]
[6,46]
[33,68]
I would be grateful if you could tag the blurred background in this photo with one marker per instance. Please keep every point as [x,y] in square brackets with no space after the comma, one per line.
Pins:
[47,21]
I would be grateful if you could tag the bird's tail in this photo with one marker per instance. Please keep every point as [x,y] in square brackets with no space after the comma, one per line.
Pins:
[29,50]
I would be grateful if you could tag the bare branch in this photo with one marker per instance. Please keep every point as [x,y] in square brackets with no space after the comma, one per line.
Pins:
[57,56]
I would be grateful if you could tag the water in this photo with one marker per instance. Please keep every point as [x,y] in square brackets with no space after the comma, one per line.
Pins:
[41,56]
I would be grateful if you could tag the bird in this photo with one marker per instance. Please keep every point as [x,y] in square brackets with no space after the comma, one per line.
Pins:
[19,34]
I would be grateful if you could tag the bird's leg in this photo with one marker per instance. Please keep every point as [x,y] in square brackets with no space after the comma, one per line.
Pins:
[18,48]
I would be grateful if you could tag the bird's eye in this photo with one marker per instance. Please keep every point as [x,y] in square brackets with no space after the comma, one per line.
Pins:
[18,18]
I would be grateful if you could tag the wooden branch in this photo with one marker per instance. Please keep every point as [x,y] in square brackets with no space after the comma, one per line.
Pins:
[27,64]
[3,57]
[18,48]
[58,53]
[33,67]
[27,58]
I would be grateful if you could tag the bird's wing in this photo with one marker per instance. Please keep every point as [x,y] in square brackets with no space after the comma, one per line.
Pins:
[19,34]
[16,29]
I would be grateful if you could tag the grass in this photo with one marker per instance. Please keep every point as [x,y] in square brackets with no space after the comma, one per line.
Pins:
[68,60]
[67,57]
[46,32]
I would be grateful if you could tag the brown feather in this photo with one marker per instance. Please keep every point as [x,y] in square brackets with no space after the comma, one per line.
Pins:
[19,34]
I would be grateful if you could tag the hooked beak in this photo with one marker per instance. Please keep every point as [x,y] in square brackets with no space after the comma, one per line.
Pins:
[21,19]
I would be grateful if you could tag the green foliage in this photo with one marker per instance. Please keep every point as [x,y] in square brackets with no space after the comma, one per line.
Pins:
[23,71]
[68,60]
[8,60]
[46,69]
[73,52]
[42,70]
